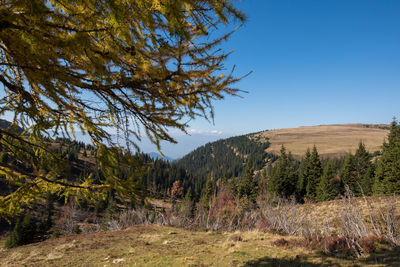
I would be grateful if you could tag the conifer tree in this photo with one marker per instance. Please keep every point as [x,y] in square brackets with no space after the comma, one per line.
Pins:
[248,184]
[303,173]
[329,186]
[387,176]
[313,175]
[206,194]
[364,169]
[188,204]
[349,174]
[23,233]
[283,178]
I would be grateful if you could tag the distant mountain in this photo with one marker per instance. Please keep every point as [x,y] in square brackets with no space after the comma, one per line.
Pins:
[228,157]
[4,124]
[155,155]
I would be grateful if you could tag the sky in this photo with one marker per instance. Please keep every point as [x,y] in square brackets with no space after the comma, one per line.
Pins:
[313,62]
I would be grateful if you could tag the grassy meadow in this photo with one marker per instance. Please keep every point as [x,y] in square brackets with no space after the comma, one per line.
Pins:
[155,245]
[168,246]
[331,140]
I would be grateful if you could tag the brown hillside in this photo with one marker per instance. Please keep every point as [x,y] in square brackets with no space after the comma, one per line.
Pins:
[331,140]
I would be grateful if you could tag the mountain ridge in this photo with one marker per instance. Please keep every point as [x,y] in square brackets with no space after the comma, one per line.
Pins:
[228,157]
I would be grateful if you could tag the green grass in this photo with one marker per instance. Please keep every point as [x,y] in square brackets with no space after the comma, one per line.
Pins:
[168,246]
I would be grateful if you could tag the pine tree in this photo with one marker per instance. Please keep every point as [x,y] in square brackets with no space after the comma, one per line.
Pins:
[303,173]
[248,185]
[313,176]
[364,169]
[188,205]
[329,186]
[387,176]
[206,194]
[23,233]
[349,174]
[283,178]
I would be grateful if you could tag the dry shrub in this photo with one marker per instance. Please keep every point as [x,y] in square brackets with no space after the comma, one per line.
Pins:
[182,213]
[70,216]
[370,243]
[384,220]
[351,218]
[88,228]
[223,213]
[345,246]
[235,238]
[137,216]
[284,218]
[281,242]
[359,234]
[200,217]
[337,246]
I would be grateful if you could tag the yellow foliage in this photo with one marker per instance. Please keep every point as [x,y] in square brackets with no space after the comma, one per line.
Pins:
[89,65]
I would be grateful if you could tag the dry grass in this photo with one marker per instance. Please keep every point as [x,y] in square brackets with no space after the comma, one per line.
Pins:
[331,140]
[167,246]
[325,215]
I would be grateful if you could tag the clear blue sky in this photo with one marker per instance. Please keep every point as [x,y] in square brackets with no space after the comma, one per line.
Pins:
[313,62]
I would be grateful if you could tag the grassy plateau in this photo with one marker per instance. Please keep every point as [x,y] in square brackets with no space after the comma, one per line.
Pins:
[330,140]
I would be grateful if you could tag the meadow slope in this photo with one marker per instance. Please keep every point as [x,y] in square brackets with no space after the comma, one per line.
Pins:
[330,140]
[167,246]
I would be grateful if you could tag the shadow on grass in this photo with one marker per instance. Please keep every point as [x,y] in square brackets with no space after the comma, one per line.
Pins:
[267,261]
[384,256]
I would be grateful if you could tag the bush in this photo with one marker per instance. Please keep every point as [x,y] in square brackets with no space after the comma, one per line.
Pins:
[76,229]
[281,242]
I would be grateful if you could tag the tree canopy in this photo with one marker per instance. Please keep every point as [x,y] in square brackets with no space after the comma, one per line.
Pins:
[387,175]
[88,65]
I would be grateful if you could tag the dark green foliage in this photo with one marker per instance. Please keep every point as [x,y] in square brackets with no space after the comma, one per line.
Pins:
[248,184]
[24,233]
[364,169]
[283,178]
[188,204]
[226,158]
[48,213]
[206,195]
[76,229]
[159,175]
[349,174]
[302,173]
[387,176]
[329,186]
[310,172]
[357,172]
[313,176]
[112,207]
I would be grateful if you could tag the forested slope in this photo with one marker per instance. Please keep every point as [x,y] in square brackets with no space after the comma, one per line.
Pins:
[226,158]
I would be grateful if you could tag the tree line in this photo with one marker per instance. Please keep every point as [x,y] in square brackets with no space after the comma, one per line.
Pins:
[316,179]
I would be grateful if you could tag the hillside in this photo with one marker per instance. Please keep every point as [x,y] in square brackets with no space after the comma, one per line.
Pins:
[4,124]
[226,158]
[155,245]
[331,140]
[163,246]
